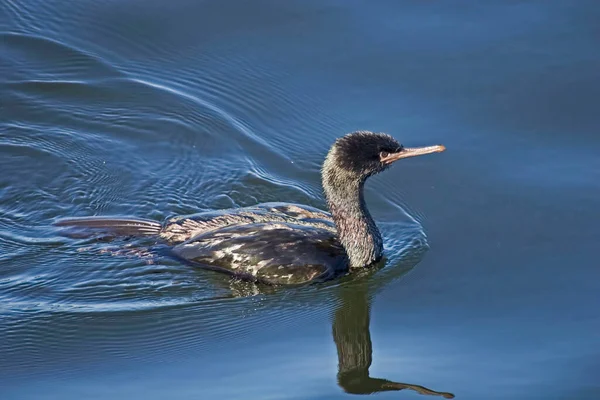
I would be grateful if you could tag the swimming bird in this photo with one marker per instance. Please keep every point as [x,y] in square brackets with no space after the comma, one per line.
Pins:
[284,243]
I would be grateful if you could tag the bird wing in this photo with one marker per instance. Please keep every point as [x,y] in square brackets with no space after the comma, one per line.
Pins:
[273,252]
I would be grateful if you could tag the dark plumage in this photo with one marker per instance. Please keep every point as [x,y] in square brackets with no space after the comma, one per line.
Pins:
[282,243]
[360,152]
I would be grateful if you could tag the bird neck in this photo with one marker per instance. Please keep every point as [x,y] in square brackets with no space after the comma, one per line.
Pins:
[355,226]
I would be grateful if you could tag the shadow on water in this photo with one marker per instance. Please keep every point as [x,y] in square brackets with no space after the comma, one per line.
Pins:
[352,336]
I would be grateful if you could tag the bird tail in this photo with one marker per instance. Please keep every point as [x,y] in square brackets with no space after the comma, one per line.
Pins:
[91,226]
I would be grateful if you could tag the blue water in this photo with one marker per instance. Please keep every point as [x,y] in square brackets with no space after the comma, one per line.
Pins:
[154,109]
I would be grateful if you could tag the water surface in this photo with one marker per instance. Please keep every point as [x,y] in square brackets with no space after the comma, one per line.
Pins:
[154,109]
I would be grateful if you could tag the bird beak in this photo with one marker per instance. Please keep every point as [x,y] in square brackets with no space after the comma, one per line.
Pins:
[412,152]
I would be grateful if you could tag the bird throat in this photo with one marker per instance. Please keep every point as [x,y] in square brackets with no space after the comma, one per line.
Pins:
[356,228]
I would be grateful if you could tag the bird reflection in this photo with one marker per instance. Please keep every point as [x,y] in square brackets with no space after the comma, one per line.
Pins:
[351,331]
[353,341]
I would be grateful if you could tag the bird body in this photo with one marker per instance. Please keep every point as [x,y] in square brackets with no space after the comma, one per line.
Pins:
[275,243]
[283,243]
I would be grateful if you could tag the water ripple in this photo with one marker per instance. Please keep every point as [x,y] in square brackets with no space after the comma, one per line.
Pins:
[32,57]
[91,309]
[85,132]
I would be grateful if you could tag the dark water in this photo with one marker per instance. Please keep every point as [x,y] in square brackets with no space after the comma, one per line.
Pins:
[153,109]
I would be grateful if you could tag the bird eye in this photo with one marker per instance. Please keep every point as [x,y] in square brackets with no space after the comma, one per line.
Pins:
[384,154]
